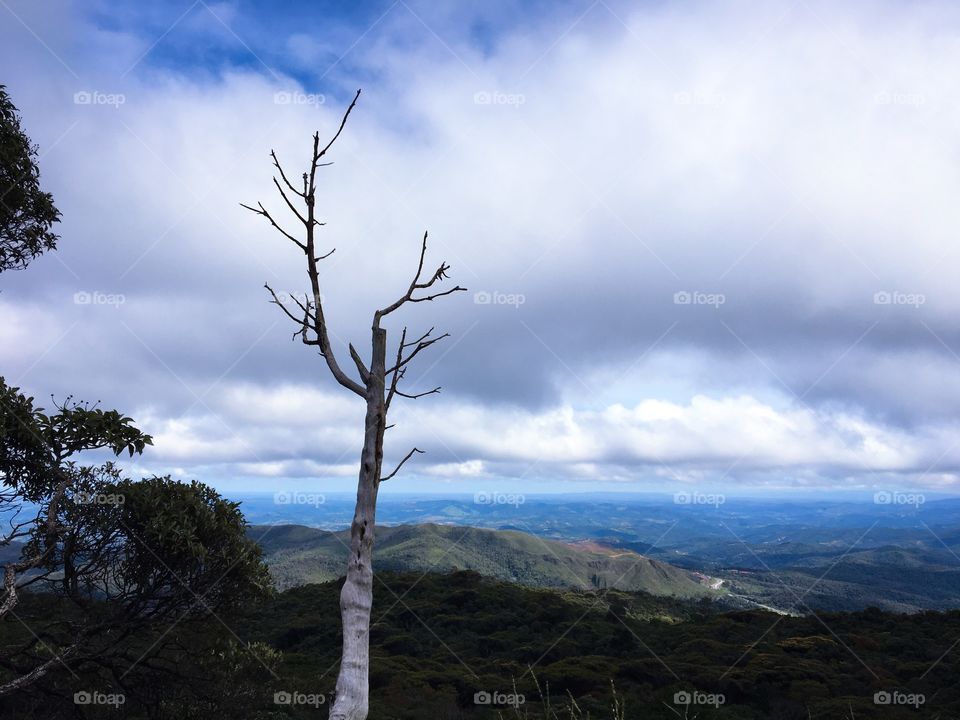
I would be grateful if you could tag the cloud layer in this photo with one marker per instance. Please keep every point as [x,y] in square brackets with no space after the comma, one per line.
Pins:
[710,244]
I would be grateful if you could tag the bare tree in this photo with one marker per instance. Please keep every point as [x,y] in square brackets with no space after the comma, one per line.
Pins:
[378,385]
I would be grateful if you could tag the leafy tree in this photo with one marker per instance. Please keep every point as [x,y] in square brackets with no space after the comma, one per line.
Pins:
[27,213]
[38,470]
[107,583]
[125,560]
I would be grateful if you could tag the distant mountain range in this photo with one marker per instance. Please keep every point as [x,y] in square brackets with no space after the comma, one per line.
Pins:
[790,555]
[890,578]
[298,555]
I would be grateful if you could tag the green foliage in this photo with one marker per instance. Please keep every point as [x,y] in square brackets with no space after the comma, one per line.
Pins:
[23,452]
[192,534]
[436,640]
[439,639]
[139,594]
[27,214]
[36,446]
[192,669]
[128,580]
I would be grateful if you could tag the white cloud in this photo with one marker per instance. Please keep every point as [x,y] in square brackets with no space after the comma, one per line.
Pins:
[677,442]
[796,158]
[469,468]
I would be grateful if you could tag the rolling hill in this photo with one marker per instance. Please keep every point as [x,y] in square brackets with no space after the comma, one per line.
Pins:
[299,555]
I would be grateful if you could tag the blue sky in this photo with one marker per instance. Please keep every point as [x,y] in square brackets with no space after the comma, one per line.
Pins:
[708,245]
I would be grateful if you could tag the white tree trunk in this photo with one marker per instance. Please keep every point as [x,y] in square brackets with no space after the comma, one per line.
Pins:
[356,597]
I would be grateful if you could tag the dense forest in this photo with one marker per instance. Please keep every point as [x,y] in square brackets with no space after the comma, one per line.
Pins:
[444,644]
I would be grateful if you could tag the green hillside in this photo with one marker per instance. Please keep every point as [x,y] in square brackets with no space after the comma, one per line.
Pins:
[299,555]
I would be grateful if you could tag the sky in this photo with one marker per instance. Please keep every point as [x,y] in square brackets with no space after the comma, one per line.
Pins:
[706,244]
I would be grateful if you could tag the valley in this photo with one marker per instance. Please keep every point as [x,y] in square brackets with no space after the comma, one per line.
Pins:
[789,556]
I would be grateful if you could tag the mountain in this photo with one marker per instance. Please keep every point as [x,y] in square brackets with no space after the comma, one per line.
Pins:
[298,555]
[792,556]
[889,578]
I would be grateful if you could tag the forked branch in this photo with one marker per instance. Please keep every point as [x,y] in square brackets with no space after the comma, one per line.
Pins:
[438,275]
[310,322]
[276,164]
[420,344]
[263,211]
[400,464]
[313,320]
[414,396]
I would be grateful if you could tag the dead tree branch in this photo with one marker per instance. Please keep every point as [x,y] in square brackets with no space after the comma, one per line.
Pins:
[312,327]
[400,464]
[438,275]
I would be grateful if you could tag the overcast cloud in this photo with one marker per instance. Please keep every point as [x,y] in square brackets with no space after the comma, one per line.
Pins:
[710,245]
